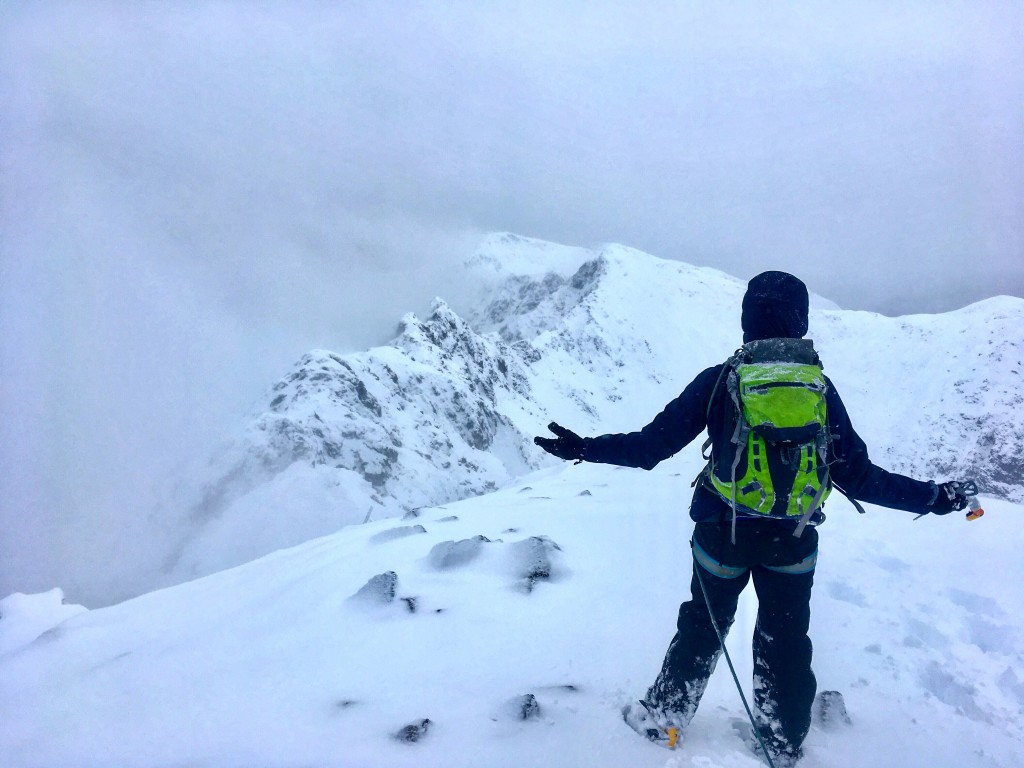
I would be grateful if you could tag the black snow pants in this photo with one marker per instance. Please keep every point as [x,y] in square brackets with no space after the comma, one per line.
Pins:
[782,567]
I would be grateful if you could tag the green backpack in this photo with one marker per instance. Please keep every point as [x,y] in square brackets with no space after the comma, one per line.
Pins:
[776,464]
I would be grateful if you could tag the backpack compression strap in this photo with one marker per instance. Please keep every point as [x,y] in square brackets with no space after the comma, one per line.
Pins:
[815,503]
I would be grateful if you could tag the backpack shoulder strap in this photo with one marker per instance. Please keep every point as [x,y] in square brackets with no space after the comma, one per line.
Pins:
[739,433]
[727,366]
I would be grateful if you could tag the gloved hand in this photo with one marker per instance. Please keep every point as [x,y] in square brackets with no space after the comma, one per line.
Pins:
[567,445]
[950,498]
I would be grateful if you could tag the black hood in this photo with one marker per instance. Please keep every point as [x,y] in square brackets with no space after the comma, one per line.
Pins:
[774,306]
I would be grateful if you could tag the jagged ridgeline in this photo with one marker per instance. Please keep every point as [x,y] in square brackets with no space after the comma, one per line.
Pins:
[600,341]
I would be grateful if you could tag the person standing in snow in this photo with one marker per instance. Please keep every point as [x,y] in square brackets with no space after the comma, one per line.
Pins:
[733,543]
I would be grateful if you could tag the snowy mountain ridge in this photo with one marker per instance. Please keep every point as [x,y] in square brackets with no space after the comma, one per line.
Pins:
[509,628]
[599,341]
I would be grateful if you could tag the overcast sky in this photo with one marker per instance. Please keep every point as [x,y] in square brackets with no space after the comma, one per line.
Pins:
[194,194]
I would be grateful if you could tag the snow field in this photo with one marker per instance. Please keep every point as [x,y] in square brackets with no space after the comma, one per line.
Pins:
[274,664]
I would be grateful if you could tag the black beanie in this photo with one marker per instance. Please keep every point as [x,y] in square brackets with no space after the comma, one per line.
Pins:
[774,306]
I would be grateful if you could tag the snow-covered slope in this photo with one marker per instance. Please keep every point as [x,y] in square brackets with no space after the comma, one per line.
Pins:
[935,395]
[599,341]
[518,623]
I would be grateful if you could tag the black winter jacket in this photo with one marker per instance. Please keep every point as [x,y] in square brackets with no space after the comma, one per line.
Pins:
[689,415]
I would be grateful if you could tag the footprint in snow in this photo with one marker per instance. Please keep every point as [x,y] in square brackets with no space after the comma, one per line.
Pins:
[922,633]
[891,564]
[1011,686]
[960,695]
[839,590]
[976,603]
[991,638]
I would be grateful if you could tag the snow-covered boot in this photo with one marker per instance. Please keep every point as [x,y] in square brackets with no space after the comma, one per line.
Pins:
[652,724]
[782,755]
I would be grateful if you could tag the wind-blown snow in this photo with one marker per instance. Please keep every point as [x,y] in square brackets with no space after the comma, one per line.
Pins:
[275,663]
[23,618]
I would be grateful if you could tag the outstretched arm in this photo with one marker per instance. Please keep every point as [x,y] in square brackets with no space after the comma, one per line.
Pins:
[858,477]
[679,423]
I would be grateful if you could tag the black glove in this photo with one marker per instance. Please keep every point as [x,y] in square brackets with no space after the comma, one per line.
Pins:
[950,498]
[568,445]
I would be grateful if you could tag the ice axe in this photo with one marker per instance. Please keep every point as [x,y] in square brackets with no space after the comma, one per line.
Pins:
[969,488]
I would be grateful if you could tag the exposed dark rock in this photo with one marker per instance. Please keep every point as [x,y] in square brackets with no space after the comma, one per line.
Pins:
[368,400]
[525,707]
[589,274]
[533,560]
[830,710]
[414,731]
[380,589]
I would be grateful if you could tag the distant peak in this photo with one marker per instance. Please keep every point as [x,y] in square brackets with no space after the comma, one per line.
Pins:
[589,274]
[439,308]
[502,254]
